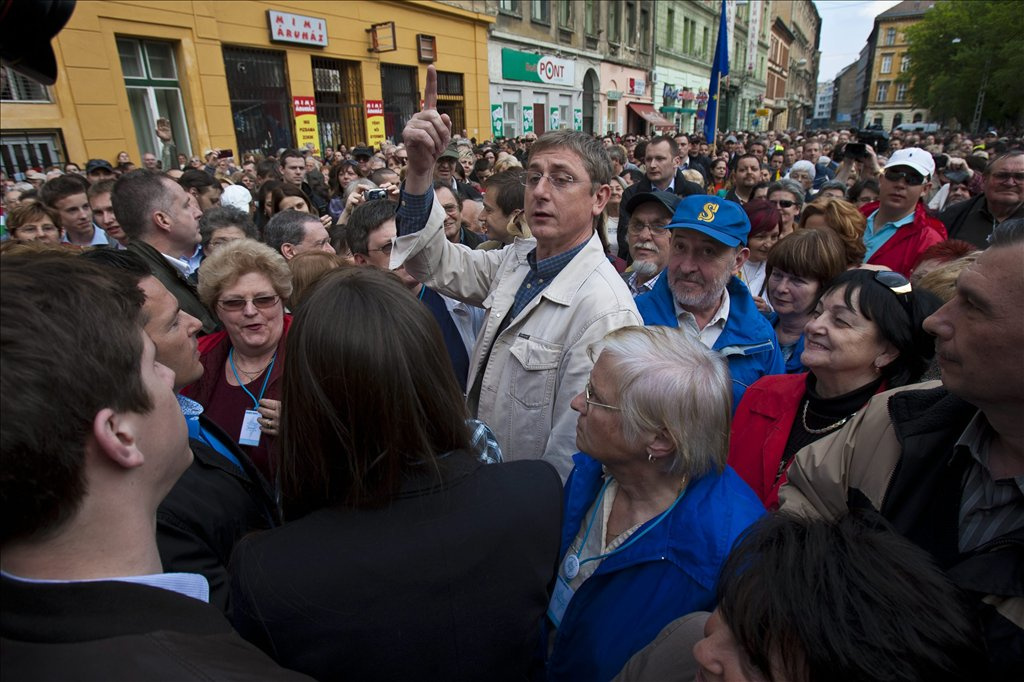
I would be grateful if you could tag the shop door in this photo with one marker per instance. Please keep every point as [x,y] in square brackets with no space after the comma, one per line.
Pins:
[338,90]
[260,100]
[401,97]
[540,119]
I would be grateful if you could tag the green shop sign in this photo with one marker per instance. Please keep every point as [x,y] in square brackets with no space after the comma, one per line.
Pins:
[536,68]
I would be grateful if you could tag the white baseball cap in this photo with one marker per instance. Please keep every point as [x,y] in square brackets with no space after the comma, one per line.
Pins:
[236,196]
[915,158]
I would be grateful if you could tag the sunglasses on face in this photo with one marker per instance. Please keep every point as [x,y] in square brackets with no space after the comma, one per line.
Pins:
[910,177]
[236,304]
[784,203]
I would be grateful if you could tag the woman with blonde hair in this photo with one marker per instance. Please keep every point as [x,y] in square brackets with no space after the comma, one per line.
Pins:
[246,284]
[841,217]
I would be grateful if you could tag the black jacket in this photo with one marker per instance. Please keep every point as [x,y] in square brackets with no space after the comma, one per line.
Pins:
[176,283]
[208,511]
[448,581]
[121,631]
[923,501]
[682,187]
[971,220]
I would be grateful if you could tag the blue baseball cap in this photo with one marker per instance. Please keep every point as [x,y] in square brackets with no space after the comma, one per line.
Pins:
[722,220]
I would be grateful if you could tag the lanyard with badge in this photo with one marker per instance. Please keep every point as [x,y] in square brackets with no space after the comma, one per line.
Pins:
[250,434]
[570,568]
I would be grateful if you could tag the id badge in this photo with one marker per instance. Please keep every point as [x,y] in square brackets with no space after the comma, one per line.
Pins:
[560,599]
[250,428]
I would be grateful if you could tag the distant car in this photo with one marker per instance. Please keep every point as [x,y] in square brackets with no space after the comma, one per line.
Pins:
[919,127]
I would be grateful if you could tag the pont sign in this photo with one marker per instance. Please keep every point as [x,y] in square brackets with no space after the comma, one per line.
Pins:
[555,70]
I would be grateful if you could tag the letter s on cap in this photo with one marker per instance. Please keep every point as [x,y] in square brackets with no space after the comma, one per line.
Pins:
[708,214]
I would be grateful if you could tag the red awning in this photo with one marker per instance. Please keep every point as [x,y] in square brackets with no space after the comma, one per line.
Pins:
[647,112]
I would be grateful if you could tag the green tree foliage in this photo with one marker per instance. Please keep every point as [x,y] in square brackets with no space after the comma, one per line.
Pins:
[952,47]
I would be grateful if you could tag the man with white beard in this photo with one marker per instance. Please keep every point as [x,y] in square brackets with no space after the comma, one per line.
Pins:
[648,238]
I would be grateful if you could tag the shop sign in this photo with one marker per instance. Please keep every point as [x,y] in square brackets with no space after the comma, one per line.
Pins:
[764,112]
[497,121]
[637,86]
[554,120]
[375,133]
[295,28]
[536,68]
[669,94]
[614,95]
[577,119]
[527,119]
[306,129]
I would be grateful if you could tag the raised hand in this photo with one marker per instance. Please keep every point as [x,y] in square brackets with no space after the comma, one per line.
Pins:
[426,136]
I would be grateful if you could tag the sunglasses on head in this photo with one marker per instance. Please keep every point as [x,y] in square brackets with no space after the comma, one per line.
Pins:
[899,286]
[910,177]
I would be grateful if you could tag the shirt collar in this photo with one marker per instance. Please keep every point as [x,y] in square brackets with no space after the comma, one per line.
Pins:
[191,585]
[720,317]
[549,268]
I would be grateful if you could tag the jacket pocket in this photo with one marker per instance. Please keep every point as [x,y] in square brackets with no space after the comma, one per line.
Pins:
[534,371]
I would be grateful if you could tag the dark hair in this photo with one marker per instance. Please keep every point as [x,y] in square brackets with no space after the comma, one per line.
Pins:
[225,216]
[364,404]
[878,303]
[817,255]
[845,601]
[365,218]
[479,165]
[511,192]
[102,187]
[136,196]
[287,189]
[197,179]
[62,316]
[764,216]
[290,154]
[1008,233]
[440,184]
[268,169]
[672,144]
[853,194]
[378,176]
[62,187]
[635,174]
[27,211]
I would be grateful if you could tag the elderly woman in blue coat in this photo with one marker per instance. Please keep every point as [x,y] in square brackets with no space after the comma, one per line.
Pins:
[651,508]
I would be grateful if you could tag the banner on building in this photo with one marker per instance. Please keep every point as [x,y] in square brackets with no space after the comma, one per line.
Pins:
[296,28]
[306,129]
[375,133]
[554,120]
[753,32]
[527,119]
[497,121]
[577,119]
[536,68]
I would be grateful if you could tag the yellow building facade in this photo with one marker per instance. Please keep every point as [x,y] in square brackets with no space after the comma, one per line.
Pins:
[235,75]
[887,101]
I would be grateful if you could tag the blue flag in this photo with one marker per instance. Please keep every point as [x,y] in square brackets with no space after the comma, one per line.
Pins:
[719,69]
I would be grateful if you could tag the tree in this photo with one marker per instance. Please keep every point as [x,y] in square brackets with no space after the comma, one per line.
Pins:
[952,50]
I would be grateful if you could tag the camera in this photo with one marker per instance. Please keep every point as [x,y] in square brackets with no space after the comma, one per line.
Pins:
[372,194]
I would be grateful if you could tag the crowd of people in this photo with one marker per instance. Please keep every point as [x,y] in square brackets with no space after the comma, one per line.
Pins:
[564,407]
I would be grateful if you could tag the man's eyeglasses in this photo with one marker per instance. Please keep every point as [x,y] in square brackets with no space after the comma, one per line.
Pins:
[900,287]
[910,177]
[655,230]
[560,181]
[589,392]
[236,304]
[784,203]
[386,249]
[1005,176]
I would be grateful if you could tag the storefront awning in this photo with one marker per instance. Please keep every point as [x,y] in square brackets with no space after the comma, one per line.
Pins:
[647,112]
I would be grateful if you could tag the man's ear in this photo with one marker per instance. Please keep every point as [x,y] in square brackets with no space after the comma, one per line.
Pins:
[116,437]
[742,254]
[288,250]
[359,258]
[601,197]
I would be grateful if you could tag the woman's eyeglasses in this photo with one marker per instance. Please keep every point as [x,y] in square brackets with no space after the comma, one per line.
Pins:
[236,304]
[784,203]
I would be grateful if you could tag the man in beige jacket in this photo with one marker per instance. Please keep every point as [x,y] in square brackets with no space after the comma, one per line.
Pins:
[548,298]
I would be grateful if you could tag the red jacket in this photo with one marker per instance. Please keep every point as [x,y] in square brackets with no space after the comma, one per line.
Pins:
[902,250]
[760,429]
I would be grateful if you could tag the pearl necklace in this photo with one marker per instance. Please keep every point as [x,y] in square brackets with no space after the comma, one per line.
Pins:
[827,429]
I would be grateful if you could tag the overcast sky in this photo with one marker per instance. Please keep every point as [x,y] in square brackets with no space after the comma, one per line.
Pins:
[845,26]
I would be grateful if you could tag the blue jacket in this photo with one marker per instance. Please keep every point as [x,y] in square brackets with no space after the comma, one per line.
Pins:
[794,364]
[748,341]
[671,571]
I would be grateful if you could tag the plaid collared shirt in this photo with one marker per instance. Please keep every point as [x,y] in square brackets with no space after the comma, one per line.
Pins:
[541,274]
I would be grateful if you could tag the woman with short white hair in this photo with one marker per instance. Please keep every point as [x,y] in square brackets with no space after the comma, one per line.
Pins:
[651,509]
